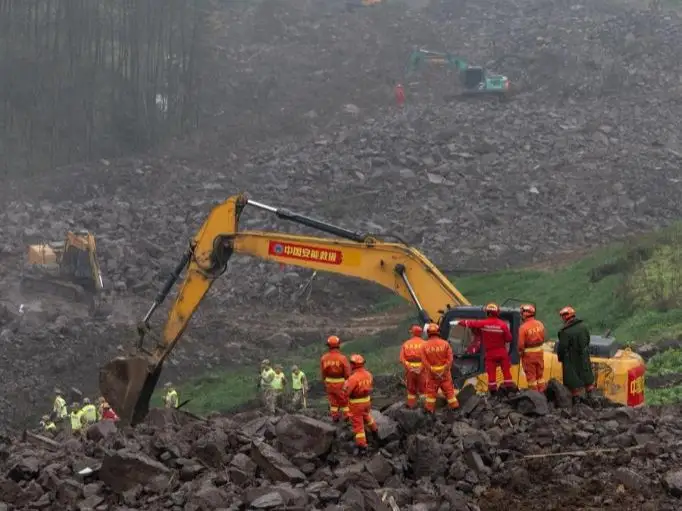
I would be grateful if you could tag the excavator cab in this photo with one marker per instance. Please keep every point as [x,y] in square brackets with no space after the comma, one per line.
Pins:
[469,353]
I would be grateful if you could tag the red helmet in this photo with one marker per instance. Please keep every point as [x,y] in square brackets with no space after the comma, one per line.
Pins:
[416,330]
[492,309]
[567,313]
[432,329]
[527,310]
[333,342]
[357,360]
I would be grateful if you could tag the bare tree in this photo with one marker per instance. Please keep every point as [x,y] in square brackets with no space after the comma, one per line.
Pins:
[81,79]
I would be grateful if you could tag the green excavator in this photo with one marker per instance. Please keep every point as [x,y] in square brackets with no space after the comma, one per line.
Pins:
[475,80]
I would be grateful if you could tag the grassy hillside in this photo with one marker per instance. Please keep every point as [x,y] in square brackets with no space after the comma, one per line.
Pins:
[632,288]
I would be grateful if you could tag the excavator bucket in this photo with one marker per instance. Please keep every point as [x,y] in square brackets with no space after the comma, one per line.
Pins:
[128,384]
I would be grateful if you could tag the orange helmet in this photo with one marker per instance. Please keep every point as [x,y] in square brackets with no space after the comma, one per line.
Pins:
[416,330]
[527,310]
[357,360]
[432,329]
[492,309]
[333,341]
[567,313]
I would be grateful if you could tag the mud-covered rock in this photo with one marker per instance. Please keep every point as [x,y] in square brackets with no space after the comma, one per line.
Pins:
[298,433]
[124,470]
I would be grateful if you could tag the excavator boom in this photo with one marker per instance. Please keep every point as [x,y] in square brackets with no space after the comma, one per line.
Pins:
[128,382]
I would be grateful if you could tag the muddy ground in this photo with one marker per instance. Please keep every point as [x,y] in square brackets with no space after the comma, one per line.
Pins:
[587,151]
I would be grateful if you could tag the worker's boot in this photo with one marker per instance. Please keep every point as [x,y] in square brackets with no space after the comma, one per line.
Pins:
[360,451]
[494,394]
[591,399]
[576,400]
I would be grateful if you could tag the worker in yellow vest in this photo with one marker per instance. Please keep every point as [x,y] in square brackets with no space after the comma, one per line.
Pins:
[89,412]
[76,418]
[59,411]
[267,373]
[279,384]
[47,425]
[299,386]
[171,399]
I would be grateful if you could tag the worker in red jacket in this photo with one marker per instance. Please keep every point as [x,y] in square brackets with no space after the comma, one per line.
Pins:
[335,370]
[495,337]
[399,92]
[437,359]
[411,360]
[358,391]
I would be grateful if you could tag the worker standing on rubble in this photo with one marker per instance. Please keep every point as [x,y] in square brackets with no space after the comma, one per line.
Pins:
[108,413]
[410,358]
[100,410]
[76,418]
[299,386]
[437,358]
[89,412]
[573,353]
[47,425]
[279,384]
[531,339]
[170,400]
[399,92]
[495,337]
[335,370]
[59,411]
[267,375]
[358,389]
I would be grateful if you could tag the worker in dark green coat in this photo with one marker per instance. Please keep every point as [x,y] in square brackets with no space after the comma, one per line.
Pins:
[573,352]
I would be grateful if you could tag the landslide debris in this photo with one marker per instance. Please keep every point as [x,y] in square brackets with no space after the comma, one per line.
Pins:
[488,456]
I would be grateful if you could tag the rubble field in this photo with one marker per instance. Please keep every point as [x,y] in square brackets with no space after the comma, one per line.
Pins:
[521,454]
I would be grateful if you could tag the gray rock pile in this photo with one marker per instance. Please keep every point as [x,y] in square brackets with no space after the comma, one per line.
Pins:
[486,456]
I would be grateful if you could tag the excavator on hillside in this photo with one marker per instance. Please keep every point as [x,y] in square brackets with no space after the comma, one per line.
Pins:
[68,268]
[128,382]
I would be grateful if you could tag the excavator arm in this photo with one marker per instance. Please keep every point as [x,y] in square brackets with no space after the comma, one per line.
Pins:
[128,382]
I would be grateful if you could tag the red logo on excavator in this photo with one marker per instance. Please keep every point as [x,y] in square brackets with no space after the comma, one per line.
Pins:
[305,252]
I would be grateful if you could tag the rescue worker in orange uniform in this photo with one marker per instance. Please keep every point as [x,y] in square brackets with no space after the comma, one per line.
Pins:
[495,335]
[531,339]
[437,358]
[411,359]
[358,390]
[335,370]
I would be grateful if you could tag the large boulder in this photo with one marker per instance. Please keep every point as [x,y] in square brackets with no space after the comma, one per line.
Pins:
[530,402]
[125,469]
[298,433]
[275,466]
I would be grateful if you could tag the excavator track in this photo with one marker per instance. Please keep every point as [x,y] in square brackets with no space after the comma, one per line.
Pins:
[43,284]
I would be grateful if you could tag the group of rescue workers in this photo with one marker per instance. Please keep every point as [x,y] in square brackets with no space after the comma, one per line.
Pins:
[78,418]
[428,365]
[75,417]
[273,385]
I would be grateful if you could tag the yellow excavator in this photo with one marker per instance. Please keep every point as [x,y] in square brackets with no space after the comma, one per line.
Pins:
[128,382]
[68,268]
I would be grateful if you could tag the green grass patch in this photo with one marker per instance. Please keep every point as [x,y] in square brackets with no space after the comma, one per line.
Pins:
[632,289]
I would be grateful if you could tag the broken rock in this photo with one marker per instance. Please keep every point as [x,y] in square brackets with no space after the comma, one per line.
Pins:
[274,464]
[124,469]
[298,433]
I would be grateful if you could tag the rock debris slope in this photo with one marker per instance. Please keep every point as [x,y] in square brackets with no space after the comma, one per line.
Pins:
[489,456]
